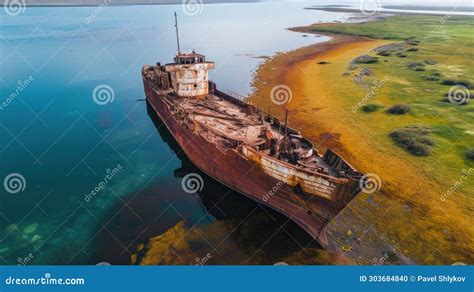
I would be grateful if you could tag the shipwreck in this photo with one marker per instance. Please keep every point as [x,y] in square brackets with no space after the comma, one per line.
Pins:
[246,149]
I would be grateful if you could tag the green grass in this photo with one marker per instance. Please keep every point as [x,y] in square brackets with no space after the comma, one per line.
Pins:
[416,29]
[437,56]
[431,58]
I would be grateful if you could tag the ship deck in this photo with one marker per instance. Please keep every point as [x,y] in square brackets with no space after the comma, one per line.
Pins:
[230,121]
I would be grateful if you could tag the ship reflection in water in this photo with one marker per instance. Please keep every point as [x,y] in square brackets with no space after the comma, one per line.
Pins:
[231,229]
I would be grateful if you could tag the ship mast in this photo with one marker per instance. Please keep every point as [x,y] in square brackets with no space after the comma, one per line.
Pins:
[286,131]
[177,33]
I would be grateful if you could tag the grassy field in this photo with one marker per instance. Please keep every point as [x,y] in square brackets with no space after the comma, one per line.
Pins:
[447,44]
[390,114]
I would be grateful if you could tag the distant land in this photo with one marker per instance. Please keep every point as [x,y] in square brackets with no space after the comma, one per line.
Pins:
[333,7]
[449,7]
[404,9]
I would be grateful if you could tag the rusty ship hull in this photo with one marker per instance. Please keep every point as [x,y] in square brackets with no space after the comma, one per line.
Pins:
[246,149]
[237,172]
[271,182]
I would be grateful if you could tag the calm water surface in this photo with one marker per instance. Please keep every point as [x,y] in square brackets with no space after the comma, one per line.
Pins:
[64,144]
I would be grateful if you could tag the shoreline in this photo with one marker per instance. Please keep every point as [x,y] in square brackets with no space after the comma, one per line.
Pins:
[285,68]
[462,11]
[321,97]
[289,61]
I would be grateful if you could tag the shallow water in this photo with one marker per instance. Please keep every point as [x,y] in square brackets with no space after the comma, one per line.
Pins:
[65,145]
